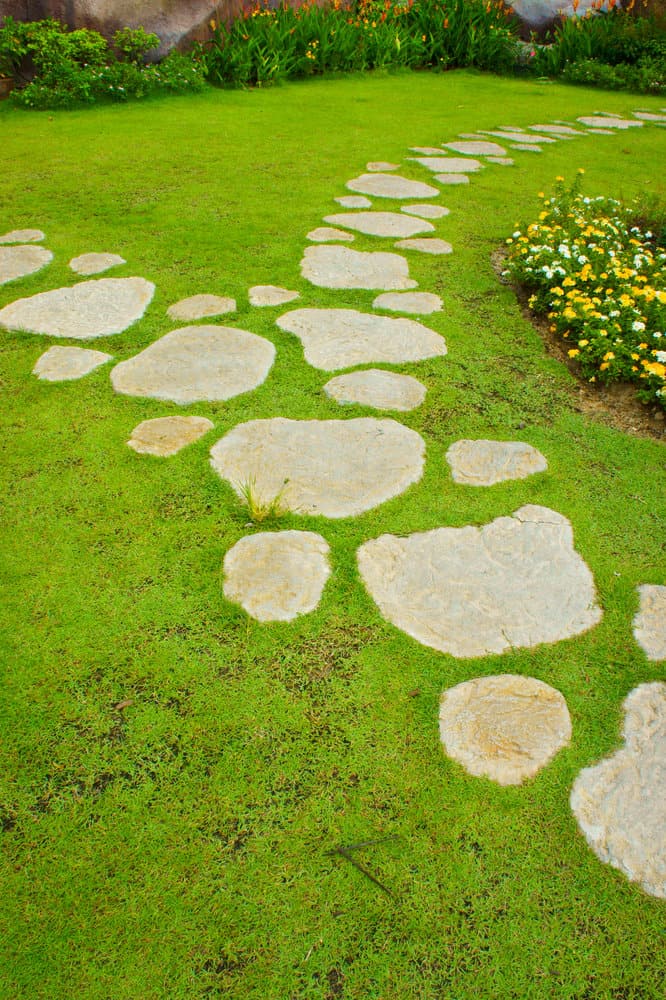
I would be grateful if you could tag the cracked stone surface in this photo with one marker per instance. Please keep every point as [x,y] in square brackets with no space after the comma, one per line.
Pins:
[650,622]
[452,178]
[354,201]
[556,130]
[620,803]
[341,338]
[381,223]
[426,211]
[379,389]
[165,436]
[276,576]
[23,236]
[97,308]
[335,468]
[420,303]
[196,363]
[61,364]
[602,121]
[476,147]
[451,164]
[201,307]
[95,263]
[391,186]
[501,161]
[433,246]
[524,138]
[516,582]
[506,727]
[20,261]
[271,295]
[325,234]
[483,463]
[340,267]
[377,166]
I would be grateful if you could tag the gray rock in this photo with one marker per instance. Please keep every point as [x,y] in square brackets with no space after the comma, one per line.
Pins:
[645,116]
[381,223]
[608,122]
[501,161]
[524,147]
[428,150]
[420,303]
[354,201]
[426,211]
[524,138]
[556,130]
[20,261]
[271,295]
[95,263]
[452,178]
[538,14]
[23,236]
[391,186]
[165,436]
[451,164]
[433,246]
[340,267]
[379,389]
[61,364]
[483,463]
[326,234]
[476,147]
[650,621]
[201,307]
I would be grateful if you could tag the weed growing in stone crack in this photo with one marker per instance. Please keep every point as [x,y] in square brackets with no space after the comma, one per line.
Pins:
[262,509]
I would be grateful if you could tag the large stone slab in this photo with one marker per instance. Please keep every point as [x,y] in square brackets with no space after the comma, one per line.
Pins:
[648,116]
[277,576]
[476,147]
[62,364]
[391,186]
[341,338]
[20,261]
[556,130]
[95,263]
[426,211]
[606,122]
[505,728]
[201,307]
[340,267]
[420,303]
[335,468]
[432,246]
[23,236]
[327,234]
[381,223]
[450,164]
[163,436]
[90,309]
[620,803]
[516,582]
[379,389]
[524,138]
[196,363]
[483,463]
[271,295]
[650,621]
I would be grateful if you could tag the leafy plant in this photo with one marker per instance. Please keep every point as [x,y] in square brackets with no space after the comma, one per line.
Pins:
[134,43]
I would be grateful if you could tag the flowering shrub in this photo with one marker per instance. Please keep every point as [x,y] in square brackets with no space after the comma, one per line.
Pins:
[602,283]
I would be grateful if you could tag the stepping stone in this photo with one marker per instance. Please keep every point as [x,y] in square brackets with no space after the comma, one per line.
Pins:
[620,803]
[334,468]
[523,138]
[277,576]
[451,164]
[271,295]
[483,463]
[557,130]
[600,131]
[432,246]
[645,116]
[501,161]
[426,211]
[201,307]
[324,234]
[379,389]
[195,364]
[341,338]
[508,128]
[95,263]
[409,302]
[516,582]
[391,186]
[61,364]
[378,166]
[526,148]
[20,261]
[650,621]
[602,121]
[90,309]
[381,223]
[427,150]
[476,147]
[506,728]
[354,201]
[340,267]
[23,236]
[452,178]
[167,435]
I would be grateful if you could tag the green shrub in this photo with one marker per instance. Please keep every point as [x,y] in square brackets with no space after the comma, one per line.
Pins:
[613,38]
[645,77]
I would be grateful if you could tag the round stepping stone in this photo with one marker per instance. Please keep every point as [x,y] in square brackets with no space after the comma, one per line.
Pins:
[410,302]
[324,234]
[603,121]
[647,116]
[558,130]
[354,201]
[271,295]
[277,576]
[433,246]
[196,363]
[505,728]
[451,164]
[428,150]
[167,435]
[650,621]
[620,803]
[95,263]
[379,389]
[62,364]
[483,463]
[523,138]
[391,186]
[340,267]
[476,147]
[201,307]
[516,582]
[341,338]
[377,166]
[20,261]
[426,211]
[501,161]
[452,178]
[523,147]
[23,236]
[381,223]
[90,309]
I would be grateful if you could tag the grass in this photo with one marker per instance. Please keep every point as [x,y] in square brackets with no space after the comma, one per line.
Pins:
[173,775]
[262,508]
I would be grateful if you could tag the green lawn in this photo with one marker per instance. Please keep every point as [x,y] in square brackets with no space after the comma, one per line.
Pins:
[177,847]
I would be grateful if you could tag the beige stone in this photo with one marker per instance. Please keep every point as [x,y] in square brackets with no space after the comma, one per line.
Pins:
[380,389]
[341,267]
[650,621]
[608,122]
[201,307]
[271,295]
[23,236]
[61,364]
[600,131]
[95,263]
[432,246]
[428,150]
[327,234]
[420,303]
[524,137]
[501,161]
[523,147]
[476,147]
[647,116]
[426,211]
[381,223]
[556,130]
[391,186]
[354,201]
[377,166]
[452,178]
[20,261]
[450,164]
[167,435]
[483,463]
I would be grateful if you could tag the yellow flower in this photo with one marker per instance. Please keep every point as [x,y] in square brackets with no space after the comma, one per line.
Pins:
[609,356]
[568,282]
[656,368]
[603,367]
[573,352]
[583,343]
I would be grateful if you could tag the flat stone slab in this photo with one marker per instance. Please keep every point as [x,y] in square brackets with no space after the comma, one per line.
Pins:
[340,267]
[428,150]
[524,148]
[62,364]
[20,261]
[196,363]
[483,463]
[271,295]
[377,166]
[433,246]
[557,130]
[201,307]
[524,138]
[391,186]
[277,576]
[354,201]
[327,234]
[600,131]
[606,122]
[516,582]
[165,436]
[341,338]
[95,263]
[620,803]
[650,621]
[420,303]
[501,161]
[381,223]
[648,116]
[476,147]
[426,211]
[379,389]
[451,164]
[452,178]
[23,236]
[506,728]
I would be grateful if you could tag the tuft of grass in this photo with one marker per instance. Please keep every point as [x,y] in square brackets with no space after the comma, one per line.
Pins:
[261,508]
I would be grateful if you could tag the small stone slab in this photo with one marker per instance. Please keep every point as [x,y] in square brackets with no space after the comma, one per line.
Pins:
[277,576]
[335,468]
[523,147]
[557,130]
[391,186]
[23,236]
[20,261]
[501,161]
[340,267]
[451,164]
[428,150]
[95,263]
[600,131]
[271,295]
[433,246]
[326,234]
[379,389]
[506,727]
[354,201]
[646,116]
[650,621]
[524,138]
[483,463]
[608,122]
[381,223]
[341,338]
[452,178]
[62,364]
[195,364]
[420,303]
[377,166]
[97,308]
[516,582]
[620,803]
[201,307]
[165,436]
[426,211]
[476,147]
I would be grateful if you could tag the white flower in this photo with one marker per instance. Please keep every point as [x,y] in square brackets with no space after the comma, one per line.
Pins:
[661,357]
[637,326]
